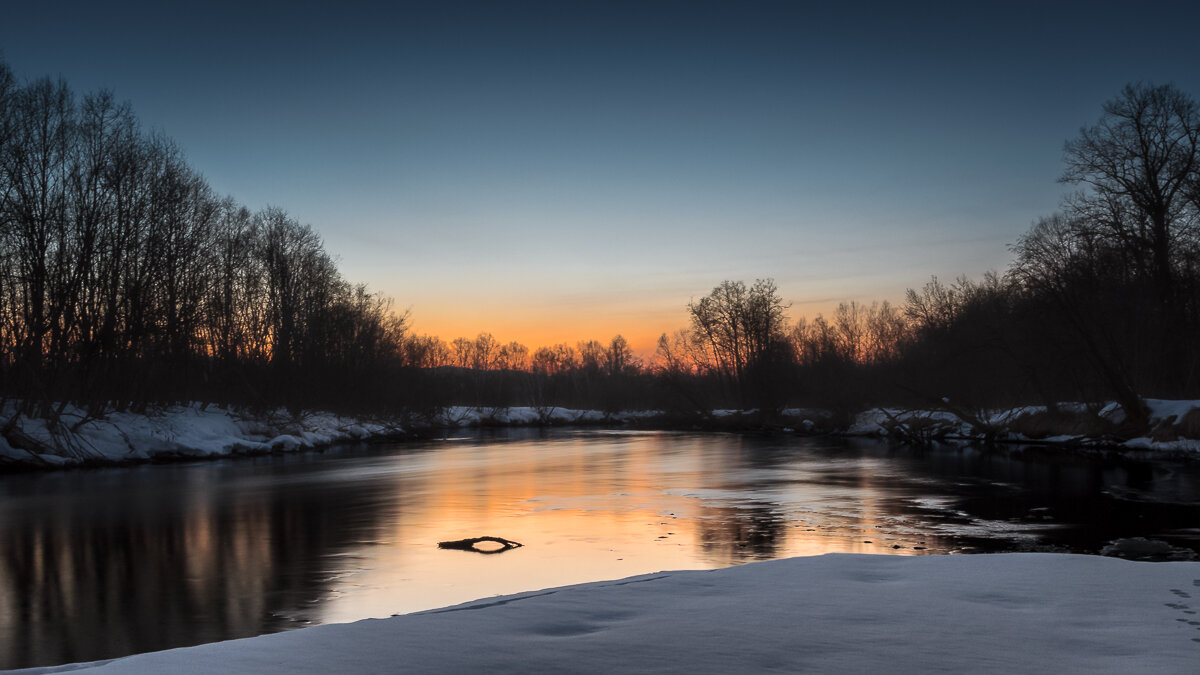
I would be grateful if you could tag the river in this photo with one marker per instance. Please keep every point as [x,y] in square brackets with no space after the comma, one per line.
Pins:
[101,563]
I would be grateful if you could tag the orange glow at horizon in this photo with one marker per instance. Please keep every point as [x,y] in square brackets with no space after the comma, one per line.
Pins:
[532,333]
[640,322]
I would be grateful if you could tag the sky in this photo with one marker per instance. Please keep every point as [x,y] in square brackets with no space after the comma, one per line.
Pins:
[562,171]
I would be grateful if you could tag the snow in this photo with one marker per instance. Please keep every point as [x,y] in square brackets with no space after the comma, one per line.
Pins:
[1020,612]
[183,431]
[1161,409]
[875,422]
[212,431]
[1164,416]
[463,416]
[209,431]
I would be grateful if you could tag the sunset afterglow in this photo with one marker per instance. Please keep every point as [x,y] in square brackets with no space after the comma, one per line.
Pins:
[566,173]
[599,337]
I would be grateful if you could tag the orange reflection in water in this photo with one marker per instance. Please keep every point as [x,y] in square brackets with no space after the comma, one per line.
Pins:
[594,507]
[99,564]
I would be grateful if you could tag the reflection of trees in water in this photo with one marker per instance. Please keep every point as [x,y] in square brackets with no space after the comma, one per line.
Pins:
[107,576]
[737,535]
[754,531]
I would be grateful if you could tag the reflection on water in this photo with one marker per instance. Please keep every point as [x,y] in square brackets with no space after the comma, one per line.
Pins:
[101,563]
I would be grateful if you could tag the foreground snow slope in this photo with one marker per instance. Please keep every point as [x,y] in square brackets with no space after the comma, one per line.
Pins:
[836,613]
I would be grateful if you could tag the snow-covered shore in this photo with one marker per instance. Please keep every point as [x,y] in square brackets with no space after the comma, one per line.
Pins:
[1020,612]
[194,431]
[1172,426]
[175,432]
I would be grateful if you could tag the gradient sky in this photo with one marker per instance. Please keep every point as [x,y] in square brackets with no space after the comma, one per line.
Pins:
[563,171]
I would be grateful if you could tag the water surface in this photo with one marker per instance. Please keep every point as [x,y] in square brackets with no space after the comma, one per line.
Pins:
[102,563]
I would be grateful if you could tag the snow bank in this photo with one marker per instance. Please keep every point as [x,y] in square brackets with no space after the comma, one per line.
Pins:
[1174,425]
[179,431]
[834,613]
[880,422]
[466,416]
[207,431]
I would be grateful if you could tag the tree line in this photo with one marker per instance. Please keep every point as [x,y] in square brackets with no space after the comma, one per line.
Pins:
[125,281]
[1100,303]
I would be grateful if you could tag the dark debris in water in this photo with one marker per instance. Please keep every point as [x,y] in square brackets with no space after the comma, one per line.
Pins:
[472,545]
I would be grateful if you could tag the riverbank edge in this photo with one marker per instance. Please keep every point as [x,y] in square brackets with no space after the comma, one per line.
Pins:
[198,431]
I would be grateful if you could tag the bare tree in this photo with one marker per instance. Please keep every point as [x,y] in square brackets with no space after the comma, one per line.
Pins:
[1140,163]
[1067,265]
[461,351]
[737,328]
[424,351]
[513,356]
[591,356]
[36,172]
[619,358]
[483,352]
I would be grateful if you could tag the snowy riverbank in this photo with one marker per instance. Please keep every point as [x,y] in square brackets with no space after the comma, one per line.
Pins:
[175,432]
[195,431]
[1021,612]
[1172,426]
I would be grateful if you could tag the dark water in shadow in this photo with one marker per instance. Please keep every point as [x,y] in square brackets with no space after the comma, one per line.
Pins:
[101,563]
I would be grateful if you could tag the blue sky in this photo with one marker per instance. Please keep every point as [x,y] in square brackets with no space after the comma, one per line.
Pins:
[561,171]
